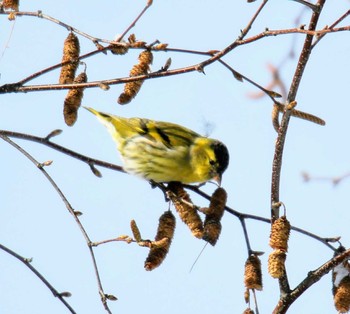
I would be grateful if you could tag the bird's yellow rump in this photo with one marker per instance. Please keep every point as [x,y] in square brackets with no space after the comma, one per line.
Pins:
[164,151]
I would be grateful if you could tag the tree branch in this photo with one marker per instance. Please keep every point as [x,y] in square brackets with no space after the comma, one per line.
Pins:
[72,212]
[313,276]
[27,262]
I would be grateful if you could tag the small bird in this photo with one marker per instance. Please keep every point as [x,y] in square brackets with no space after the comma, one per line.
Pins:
[164,151]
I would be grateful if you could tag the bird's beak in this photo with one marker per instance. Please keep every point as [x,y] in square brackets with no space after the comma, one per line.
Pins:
[218,178]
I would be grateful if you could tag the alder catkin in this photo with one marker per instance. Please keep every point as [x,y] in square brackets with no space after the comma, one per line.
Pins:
[118,49]
[211,231]
[135,231]
[10,4]
[212,224]
[71,51]
[160,47]
[217,203]
[276,263]
[131,89]
[279,235]
[342,295]
[187,212]
[252,273]
[73,100]
[341,284]
[165,233]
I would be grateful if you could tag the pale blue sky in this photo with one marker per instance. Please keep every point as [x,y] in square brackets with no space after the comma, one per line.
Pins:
[35,223]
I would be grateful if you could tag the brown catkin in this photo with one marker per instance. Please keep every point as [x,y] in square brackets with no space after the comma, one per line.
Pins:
[160,47]
[275,115]
[73,100]
[124,98]
[146,58]
[276,262]
[135,231]
[131,89]
[187,213]
[246,296]
[138,44]
[212,224]
[11,4]
[211,231]
[248,311]
[279,235]
[166,228]
[118,49]
[252,273]
[217,203]
[342,295]
[71,50]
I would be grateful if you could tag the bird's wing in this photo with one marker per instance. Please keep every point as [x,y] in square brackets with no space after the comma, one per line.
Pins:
[170,134]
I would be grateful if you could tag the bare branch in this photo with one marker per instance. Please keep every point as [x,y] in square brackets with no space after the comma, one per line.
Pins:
[313,276]
[70,209]
[27,262]
[46,141]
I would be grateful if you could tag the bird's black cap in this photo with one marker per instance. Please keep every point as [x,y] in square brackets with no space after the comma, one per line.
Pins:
[222,156]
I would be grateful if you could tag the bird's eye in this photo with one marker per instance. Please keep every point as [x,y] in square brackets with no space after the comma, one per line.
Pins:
[212,162]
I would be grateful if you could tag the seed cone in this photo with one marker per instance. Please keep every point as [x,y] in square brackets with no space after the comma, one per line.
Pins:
[131,89]
[252,273]
[212,224]
[187,212]
[11,4]
[212,230]
[165,230]
[217,203]
[342,295]
[341,284]
[279,235]
[276,262]
[73,100]
[71,50]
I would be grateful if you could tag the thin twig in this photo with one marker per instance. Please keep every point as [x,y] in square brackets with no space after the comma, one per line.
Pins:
[27,262]
[70,209]
[148,5]
[313,276]
[246,235]
[17,87]
[282,132]
[40,14]
[89,160]
[256,14]
[64,150]
[49,69]
[95,40]
[241,215]
[277,162]
[341,18]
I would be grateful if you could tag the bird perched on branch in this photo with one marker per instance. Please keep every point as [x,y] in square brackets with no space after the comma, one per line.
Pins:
[164,151]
